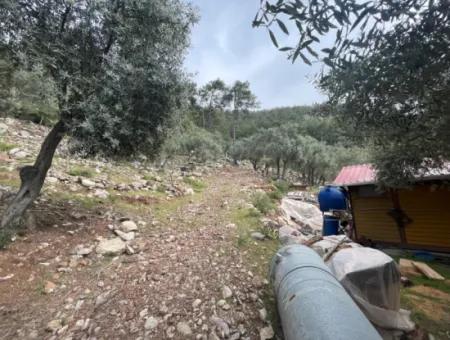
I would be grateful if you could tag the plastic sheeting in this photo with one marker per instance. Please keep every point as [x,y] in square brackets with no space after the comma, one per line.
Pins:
[372,279]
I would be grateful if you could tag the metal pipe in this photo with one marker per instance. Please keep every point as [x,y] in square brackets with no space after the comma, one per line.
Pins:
[312,304]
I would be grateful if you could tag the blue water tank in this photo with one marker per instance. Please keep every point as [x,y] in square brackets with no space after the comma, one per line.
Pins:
[332,198]
[330,226]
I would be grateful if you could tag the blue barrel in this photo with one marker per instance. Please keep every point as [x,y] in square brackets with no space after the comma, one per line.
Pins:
[330,226]
[332,198]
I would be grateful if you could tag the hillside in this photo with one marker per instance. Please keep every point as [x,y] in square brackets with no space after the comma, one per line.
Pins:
[188,265]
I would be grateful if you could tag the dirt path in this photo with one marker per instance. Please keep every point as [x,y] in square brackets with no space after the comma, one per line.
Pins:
[195,274]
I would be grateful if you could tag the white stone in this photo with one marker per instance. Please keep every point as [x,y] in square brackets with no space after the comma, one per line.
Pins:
[183,328]
[266,333]
[54,325]
[196,303]
[3,128]
[101,193]
[87,183]
[125,236]
[51,180]
[262,314]
[128,226]
[114,246]
[257,236]
[226,292]
[151,323]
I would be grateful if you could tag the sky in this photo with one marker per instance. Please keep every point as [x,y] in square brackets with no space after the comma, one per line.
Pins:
[224,45]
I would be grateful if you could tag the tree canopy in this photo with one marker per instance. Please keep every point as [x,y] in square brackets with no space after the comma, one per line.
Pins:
[117,71]
[388,76]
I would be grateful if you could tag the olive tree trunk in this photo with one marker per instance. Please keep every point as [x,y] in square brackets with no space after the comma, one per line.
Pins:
[32,177]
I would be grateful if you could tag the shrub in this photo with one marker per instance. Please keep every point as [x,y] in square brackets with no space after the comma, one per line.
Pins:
[5,147]
[262,202]
[81,171]
[196,184]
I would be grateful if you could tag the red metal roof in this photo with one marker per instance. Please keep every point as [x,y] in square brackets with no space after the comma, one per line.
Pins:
[365,174]
[355,174]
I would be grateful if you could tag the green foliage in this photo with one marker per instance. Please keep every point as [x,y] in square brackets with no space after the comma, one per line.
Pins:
[262,202]
[5,147]
[194,143]
[119,90]
[196,184]
[5,237]
[81,171]
[389,82]
[28,94]
[282,186]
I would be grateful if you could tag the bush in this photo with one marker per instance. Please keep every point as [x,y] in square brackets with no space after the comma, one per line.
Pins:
[196,184]
[195,143]
[262,202]
[5,147]
[80,171]
[282,186]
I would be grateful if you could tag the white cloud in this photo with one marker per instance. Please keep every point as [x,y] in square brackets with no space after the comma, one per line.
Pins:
[225,46]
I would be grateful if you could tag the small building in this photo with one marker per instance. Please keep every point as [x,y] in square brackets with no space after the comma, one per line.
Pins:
[414,218]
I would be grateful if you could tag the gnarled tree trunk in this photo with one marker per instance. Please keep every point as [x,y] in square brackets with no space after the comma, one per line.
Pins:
[32,177]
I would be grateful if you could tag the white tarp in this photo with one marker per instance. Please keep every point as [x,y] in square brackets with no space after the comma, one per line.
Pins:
[372,279]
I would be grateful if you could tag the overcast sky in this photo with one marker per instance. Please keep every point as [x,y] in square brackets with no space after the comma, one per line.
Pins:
[224,45]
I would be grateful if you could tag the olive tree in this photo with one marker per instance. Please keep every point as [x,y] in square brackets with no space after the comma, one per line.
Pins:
[387,72]
[117,69]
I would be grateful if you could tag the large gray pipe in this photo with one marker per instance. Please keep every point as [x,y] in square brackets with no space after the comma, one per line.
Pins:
[312,304]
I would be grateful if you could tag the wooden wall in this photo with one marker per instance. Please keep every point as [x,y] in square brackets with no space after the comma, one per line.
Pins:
[426,204]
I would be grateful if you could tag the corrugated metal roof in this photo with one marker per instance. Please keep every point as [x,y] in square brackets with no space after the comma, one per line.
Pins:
[355,174]
[365,174]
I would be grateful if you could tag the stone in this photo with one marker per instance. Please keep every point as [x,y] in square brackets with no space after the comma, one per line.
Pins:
[183,328]
[51,180]
[101,193]
[189,191]
[128,226]
[53,325]
[262,314]
[266,333]
[196,303]
[257,236]
[49,287]
[114,246]
[226,292]
[102,298]
[221,325]
[125,236]
[81,250]
[3,128]
[17,153]
[24,134]
[87,183]
[151,323]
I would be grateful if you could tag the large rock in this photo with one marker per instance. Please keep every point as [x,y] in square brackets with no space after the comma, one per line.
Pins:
[101,193]
[257,236]
[3,128]
[17,153]
[114,246]
[125,236]
[128,226]
[184,329]
[87,183]
[305,215]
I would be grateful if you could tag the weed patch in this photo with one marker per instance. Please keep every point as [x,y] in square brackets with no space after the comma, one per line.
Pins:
[196,184]
[262,202]
[5,147]
[81,171]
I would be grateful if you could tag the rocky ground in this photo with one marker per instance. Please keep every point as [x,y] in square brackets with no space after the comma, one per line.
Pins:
[123,251]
